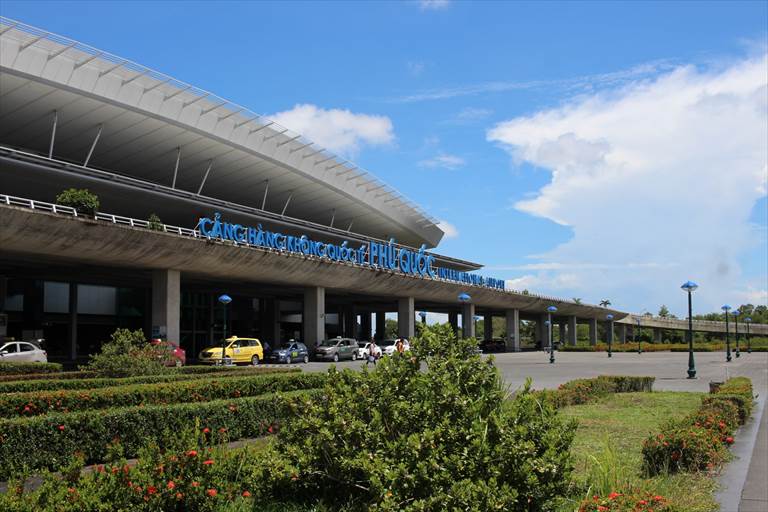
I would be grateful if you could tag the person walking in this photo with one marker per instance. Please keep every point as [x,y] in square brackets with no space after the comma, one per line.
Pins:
[372,353]
[399,345]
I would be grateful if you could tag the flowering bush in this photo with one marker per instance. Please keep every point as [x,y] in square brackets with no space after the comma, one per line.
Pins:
[683,447]
[51,440]
[628,501]
[196,390]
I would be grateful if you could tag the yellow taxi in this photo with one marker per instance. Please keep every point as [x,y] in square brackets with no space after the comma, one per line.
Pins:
[238,350]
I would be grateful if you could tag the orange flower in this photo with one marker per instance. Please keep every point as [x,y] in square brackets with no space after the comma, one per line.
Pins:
[222,430]
[179,495]
[208,462]
[613,495]
[195,484]
[192,453]
[151,489]
[729,440]
[206,430]
[61,427]
[171,485]
[246,494]
[211,492]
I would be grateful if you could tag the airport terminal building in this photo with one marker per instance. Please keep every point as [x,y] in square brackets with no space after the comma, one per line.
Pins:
[307,244]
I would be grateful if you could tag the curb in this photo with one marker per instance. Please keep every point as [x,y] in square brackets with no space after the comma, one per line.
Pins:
[732,480]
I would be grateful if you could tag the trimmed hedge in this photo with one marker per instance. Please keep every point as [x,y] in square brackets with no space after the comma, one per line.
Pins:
[581,391]
[698,442]
[20,386]
[217,387]
[50,441]
[47,376]
[7,368]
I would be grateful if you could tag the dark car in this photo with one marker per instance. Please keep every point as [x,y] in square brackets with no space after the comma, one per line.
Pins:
[336,349]
[494,345]
[293,351]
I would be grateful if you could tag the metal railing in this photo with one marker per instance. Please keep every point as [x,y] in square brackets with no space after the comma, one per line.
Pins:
[37,37]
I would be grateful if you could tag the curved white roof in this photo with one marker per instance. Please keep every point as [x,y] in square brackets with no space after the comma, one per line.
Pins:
[153,127]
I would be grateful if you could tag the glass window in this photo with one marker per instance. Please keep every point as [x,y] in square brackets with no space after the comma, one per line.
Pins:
[11,348]
[96,300]
[56,297]
[14,302]
[26,347]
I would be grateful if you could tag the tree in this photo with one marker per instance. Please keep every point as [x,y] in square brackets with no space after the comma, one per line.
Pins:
[390,329]
[663,311]
[577,300]
[605,303]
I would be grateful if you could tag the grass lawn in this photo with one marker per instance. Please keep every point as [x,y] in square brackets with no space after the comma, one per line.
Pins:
[609,439]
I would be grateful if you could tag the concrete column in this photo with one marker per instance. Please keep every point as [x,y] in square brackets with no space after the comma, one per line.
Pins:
[269,317]
[73,321]
[572,331]
[453,319]
[468,320]
[3,292]
[166,303]
[350,322]
[381,323]
[593,331]
[657,335]
[365,325]
[542,334]
[622,333]
[513,330]
[488,327]
[313,317]
[406,317]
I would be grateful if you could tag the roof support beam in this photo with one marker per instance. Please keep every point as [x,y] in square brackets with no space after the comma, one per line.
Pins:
[234,112]
[205,176]
[29,43]
[135,77]
[177,93]
[59,52]
[288,141]
[53,133]
[158,84]
[349,228]
[274,135]
[299,148]
[111,69]
[266,190]
[211,109]
[93,146]
[287,202]
[6,29]
[176,168]
[199,98]
[86,61]
[261,127]
[318,162]
[333,216]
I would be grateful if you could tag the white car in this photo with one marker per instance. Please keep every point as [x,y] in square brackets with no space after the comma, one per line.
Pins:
[389,346]
[22,352]
[364,348]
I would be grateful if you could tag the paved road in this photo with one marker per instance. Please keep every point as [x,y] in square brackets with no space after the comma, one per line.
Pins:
[669,368]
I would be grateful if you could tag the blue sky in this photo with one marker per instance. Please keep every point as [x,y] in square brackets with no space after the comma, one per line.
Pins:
[555,138]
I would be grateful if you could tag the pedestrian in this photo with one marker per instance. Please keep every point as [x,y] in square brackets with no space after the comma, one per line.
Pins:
[372,353]
[399,345]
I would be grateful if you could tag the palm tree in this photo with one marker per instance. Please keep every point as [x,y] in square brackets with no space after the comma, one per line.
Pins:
[605,303]
[577,300]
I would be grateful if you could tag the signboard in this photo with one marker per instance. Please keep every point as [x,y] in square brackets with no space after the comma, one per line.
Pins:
[373,254]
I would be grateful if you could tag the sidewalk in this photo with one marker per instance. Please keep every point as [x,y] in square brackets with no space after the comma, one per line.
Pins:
[754,497]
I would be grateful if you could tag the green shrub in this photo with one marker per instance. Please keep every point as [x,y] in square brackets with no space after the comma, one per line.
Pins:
[127,354]
[737,386]
[154,222]
[430,429]
[721,416]
[582,391]
[81,200]
[9,369]
[630,384]
[683,447]
[45,376]
[23,386]
[52,440]
[742,403]
[14,405]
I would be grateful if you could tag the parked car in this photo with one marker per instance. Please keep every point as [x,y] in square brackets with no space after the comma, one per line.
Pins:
[494,345]
[364,349]
[173,354]
[295,351]
[335,349]
[389,346]
[22,352]
[238,350]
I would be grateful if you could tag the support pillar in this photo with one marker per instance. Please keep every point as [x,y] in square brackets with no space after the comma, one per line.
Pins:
[313,317]
[269,317]
[453,319]
[468,320]
[72,334]
[166,304]
[593,331]
[561,334]
[513,330]
[406,317]
[3,292]
[488,327]
[572,331]
[542,333]
[622,333]
[657,335]
[365,326]
[350,322]
[381,325]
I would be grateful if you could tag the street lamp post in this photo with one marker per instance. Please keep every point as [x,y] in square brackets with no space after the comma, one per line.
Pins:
[634,333]
[690,287]
[550,310]
[736,314]
[609,317]
[727,308]
[747,321]
[225,300]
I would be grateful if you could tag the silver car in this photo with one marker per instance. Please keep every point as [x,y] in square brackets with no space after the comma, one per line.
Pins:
[22,352]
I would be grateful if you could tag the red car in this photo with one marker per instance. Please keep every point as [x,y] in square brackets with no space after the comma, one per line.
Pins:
[177,356]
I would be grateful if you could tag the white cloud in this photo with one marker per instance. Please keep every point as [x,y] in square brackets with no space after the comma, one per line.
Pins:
[470,115]
[663,170]
[433,5]
[448,228]
[444,161]
[415,68]
[338,130]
